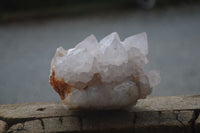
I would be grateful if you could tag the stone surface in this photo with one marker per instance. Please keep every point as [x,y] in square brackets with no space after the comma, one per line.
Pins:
[32,126]
[185,117]
[34,110]
[19,127]
[197,124]
[157,122]
[61,124]
[107,120]
[169,123]
[56,109]
[146,121]
[173,115]
[168,103]
[3,126]
[92,70]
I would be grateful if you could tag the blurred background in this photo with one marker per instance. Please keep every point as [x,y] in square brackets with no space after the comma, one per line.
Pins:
[30,32]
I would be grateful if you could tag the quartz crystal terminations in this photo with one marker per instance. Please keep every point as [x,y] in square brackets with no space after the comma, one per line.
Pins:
[103,75]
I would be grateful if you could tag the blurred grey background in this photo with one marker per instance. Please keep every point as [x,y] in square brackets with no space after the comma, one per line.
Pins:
[29,37]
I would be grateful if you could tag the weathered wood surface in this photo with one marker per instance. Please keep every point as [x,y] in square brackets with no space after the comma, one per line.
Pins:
[157,114]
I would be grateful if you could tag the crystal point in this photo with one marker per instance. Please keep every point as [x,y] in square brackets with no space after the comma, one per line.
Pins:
[137,41]
[103,75]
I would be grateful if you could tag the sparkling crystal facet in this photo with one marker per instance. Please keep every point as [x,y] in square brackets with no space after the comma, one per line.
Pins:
[103,75]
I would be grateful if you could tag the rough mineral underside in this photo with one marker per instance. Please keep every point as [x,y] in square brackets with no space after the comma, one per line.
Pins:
[103,75]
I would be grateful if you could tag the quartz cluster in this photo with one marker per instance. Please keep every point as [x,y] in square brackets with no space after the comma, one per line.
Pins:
[103,75]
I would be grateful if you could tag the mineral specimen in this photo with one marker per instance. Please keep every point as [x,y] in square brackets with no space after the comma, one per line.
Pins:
[103,75]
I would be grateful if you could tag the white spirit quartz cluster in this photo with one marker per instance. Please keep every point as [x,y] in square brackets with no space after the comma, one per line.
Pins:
[103,75]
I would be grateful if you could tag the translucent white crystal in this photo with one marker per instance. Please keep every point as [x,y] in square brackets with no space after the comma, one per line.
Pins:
[112,51]
[112,56]
[137,41]
[74,65]
[123,95]
[91,44]
[154,78]
[104,75]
